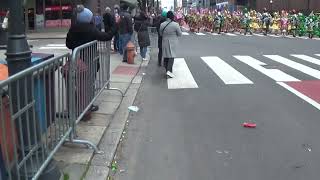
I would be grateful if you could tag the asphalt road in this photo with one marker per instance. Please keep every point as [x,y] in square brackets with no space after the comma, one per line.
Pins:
[197,134]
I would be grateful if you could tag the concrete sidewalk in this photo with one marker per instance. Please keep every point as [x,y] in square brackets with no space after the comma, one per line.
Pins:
[106,125]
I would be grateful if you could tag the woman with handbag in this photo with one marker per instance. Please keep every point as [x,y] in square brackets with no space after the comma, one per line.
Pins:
[141,27]
[170,31]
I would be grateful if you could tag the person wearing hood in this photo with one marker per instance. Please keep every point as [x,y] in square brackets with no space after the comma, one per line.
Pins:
[160,19]
[141,27]
[84,30]
[170,31]
[125,30]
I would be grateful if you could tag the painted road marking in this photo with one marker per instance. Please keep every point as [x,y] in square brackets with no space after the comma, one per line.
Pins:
[300,95]
[302,37]
[230,34]
[272,35]
[305,69]
[185,33]
[275,74]
[183,77]
[260,35]
[226,73]
[290,37]
[215,34]
[200,34]
[307,58]
[29,41]
[54,47]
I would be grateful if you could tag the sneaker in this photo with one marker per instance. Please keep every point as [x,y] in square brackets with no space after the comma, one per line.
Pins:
[144,59]
[170,74]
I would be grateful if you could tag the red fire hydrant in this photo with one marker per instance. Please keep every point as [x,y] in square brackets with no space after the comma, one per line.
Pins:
[130,52]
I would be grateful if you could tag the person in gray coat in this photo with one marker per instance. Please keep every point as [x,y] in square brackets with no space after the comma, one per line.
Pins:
[170,31]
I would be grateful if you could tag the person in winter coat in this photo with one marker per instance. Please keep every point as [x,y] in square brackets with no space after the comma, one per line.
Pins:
[98,21]
[160,19]
[170,31]
[125,29]
[82,32]
[108,20]
[141,27]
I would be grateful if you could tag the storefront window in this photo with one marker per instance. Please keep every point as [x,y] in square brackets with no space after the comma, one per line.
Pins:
[58,13]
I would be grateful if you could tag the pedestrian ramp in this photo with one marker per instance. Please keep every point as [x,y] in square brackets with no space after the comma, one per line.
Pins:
[244,70]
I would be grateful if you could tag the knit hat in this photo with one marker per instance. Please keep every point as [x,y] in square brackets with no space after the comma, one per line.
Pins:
[85,16]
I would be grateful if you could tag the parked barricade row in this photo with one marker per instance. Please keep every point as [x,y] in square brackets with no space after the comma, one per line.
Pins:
[41,106]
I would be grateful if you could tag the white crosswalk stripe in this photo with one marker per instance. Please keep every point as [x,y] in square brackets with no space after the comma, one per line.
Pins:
[230,34]
[226,73]
[230,75]
[305,69]
[302,37]
[307,58]
[273,35]
[260,35]
[215,34]
[200,34]
[275,74]
[54,47]
[183,77]
[234,34]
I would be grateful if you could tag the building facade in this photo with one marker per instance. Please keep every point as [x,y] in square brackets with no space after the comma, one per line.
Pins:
[53,14]
[277,5]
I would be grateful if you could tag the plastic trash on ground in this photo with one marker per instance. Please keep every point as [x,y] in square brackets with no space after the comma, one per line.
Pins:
[249,125]
[133,108]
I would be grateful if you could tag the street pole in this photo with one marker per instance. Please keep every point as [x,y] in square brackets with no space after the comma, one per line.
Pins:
[271,2]
[19,58]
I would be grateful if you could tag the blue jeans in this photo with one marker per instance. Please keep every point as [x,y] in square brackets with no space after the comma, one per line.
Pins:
[124,39]
[143,51]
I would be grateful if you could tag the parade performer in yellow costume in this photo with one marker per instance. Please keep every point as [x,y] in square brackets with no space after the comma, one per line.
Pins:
[275,28]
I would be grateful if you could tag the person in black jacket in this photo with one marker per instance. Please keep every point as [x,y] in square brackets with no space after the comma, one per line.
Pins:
[160,19]
[141,27]
[125,29]
[82,32]
[108,20]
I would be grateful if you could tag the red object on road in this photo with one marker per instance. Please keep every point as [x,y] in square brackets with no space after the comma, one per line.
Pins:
[249,125]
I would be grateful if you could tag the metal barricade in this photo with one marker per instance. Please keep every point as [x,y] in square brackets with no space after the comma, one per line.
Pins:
[153,34]
[31,128]
[41,106]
